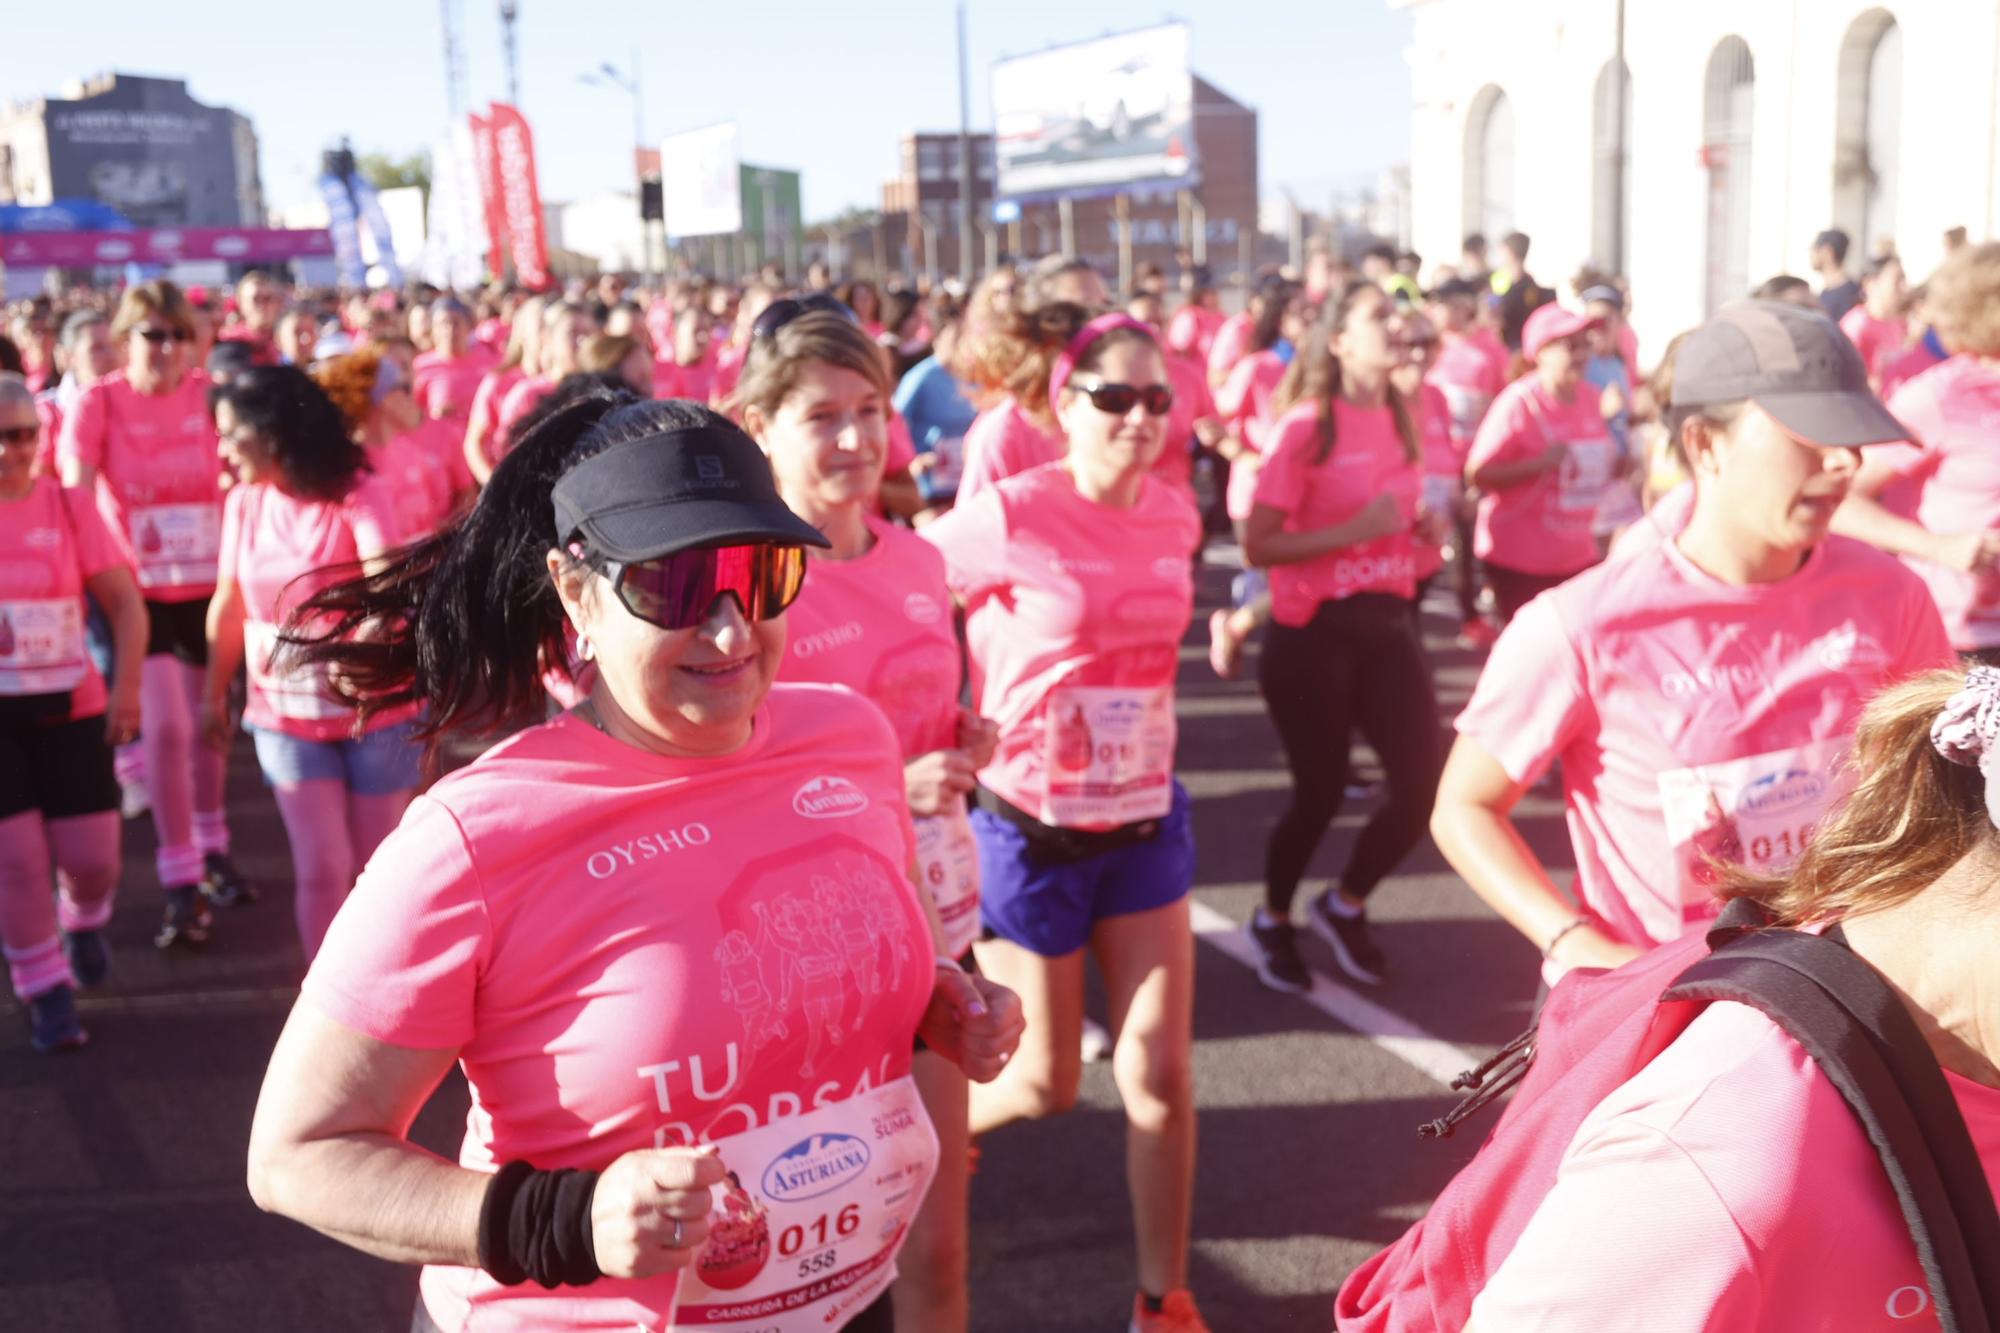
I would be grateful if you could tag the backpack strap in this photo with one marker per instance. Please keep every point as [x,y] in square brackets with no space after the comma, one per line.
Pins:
[1865,1041]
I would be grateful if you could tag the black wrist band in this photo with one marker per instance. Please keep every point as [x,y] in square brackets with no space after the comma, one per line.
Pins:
[534,1226]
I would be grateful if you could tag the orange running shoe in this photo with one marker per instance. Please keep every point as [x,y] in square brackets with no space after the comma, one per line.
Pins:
[1177,1314]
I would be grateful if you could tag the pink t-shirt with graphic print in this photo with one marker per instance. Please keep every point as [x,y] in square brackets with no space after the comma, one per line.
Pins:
[445,385]
[1693,717]
[51,540]
[1735,1153]
[629,950]
[1004,441]
[1543,525]
[1953,471]
[279,549]
[1068,604]
[159,478]
[1367,460]
[881,625]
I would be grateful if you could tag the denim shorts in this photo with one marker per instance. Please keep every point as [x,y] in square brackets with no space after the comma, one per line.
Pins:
[1049,907]
[380,763]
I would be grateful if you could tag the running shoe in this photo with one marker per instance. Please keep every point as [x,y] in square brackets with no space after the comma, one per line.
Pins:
[223,884]
[1096,1041]
[1177,1314]
[1278,963]
[52,1021]
[1353,949]
[89,957]
[186,921]
[134,800]
[1225,650]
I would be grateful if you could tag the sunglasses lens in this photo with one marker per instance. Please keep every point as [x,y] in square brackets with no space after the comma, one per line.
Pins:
[1117,399]
[1159,400]
[678,591]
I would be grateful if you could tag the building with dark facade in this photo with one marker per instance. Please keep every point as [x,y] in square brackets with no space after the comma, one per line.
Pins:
[137,144]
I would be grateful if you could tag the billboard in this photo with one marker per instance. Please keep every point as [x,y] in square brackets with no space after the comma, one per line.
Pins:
[771,214]
[1095,116]
[701,187]
[145,148]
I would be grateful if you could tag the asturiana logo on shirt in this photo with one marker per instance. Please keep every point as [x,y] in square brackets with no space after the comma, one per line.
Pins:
[1775,793]
[818,1165]
[922,608]
[829,797]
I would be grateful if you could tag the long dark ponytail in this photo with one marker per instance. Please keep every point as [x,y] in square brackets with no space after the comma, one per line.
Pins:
[1314,376]
[465,621]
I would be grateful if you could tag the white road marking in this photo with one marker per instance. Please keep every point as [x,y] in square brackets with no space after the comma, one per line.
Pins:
[1428,1055]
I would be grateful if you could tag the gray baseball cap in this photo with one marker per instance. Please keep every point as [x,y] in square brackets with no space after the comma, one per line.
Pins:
[1794,363]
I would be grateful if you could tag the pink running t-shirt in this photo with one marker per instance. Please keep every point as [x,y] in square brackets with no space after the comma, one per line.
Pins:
[1444,471]
[1695,717]
[1230,344]
[1878,340]
[1544,525]
[1471,376]
[1905,366]
[696,383]
[629,951]
[1192,402]
[1191,333]
[1367,460]
[414,482]
[1245,402]
[159,478]
[1953,470]
[486,402]
[521,401]
[51,540]
[279,549]
[729,359]
[1003,441]
[1725,1188]
[1074,617]
[446,386]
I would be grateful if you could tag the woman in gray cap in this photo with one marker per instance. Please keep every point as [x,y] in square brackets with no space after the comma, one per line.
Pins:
[669,936]
[1701,694]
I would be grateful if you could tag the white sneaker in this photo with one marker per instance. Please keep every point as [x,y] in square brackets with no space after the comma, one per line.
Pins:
[134,800]
[1096,1041]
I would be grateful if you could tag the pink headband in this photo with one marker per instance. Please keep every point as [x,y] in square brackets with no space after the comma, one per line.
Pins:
[1968,731]
[1085,337]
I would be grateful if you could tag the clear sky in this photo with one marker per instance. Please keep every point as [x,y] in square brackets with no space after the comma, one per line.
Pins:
[828,87]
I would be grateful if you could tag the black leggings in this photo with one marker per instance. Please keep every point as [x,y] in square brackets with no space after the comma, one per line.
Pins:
[1356,664]
[1513,589]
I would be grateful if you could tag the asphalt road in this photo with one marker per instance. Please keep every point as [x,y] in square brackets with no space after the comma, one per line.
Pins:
[122,1205]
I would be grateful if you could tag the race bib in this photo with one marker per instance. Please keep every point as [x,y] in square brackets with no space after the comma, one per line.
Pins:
[807,1224]
[296,693]
[1108,756]
[41,646]
[1580,482]
[948,868]
[177,545]
[1758,812]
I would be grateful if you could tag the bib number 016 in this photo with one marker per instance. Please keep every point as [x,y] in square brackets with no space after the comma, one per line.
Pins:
[820,1232]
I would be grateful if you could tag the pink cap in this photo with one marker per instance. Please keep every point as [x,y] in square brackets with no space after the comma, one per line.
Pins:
[1552,323]
[1087,335]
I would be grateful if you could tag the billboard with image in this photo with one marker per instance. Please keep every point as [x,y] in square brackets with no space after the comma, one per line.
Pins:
[701,188]
[1094,116]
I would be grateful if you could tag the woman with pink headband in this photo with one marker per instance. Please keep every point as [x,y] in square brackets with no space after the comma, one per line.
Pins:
[1077,589]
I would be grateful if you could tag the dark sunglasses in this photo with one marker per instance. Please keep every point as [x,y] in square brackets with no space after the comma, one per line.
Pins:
[1118,399]
[782,312]
[678,591]
[158,336]
[20,434]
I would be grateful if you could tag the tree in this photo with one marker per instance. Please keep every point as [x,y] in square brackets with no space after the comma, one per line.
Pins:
[385,172]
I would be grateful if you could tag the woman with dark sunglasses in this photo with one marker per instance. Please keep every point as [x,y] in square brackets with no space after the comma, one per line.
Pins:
[876,617]
[1338,497]
[145,434]
[670,936]
[1077,590]
[58,722]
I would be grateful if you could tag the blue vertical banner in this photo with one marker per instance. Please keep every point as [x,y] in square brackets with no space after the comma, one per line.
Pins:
[341,223]
[370,209]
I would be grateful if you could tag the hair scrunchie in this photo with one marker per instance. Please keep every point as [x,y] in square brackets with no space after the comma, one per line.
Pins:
[1967,732]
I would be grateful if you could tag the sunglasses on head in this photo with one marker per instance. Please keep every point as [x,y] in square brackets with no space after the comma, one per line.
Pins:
[679,591]
[158,336]
[20,435]
[1118,399]
[786,309]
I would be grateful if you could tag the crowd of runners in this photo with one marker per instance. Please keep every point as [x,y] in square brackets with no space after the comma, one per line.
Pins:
[818,644]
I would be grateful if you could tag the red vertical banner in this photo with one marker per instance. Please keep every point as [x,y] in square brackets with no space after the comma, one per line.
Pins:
[486,165]
[520,196]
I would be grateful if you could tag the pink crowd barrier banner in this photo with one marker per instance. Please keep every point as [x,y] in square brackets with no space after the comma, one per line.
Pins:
[163,245]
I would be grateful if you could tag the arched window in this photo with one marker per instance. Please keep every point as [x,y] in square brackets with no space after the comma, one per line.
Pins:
[1610,167]
[1725,150]
[1868,130]
[1489,164]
